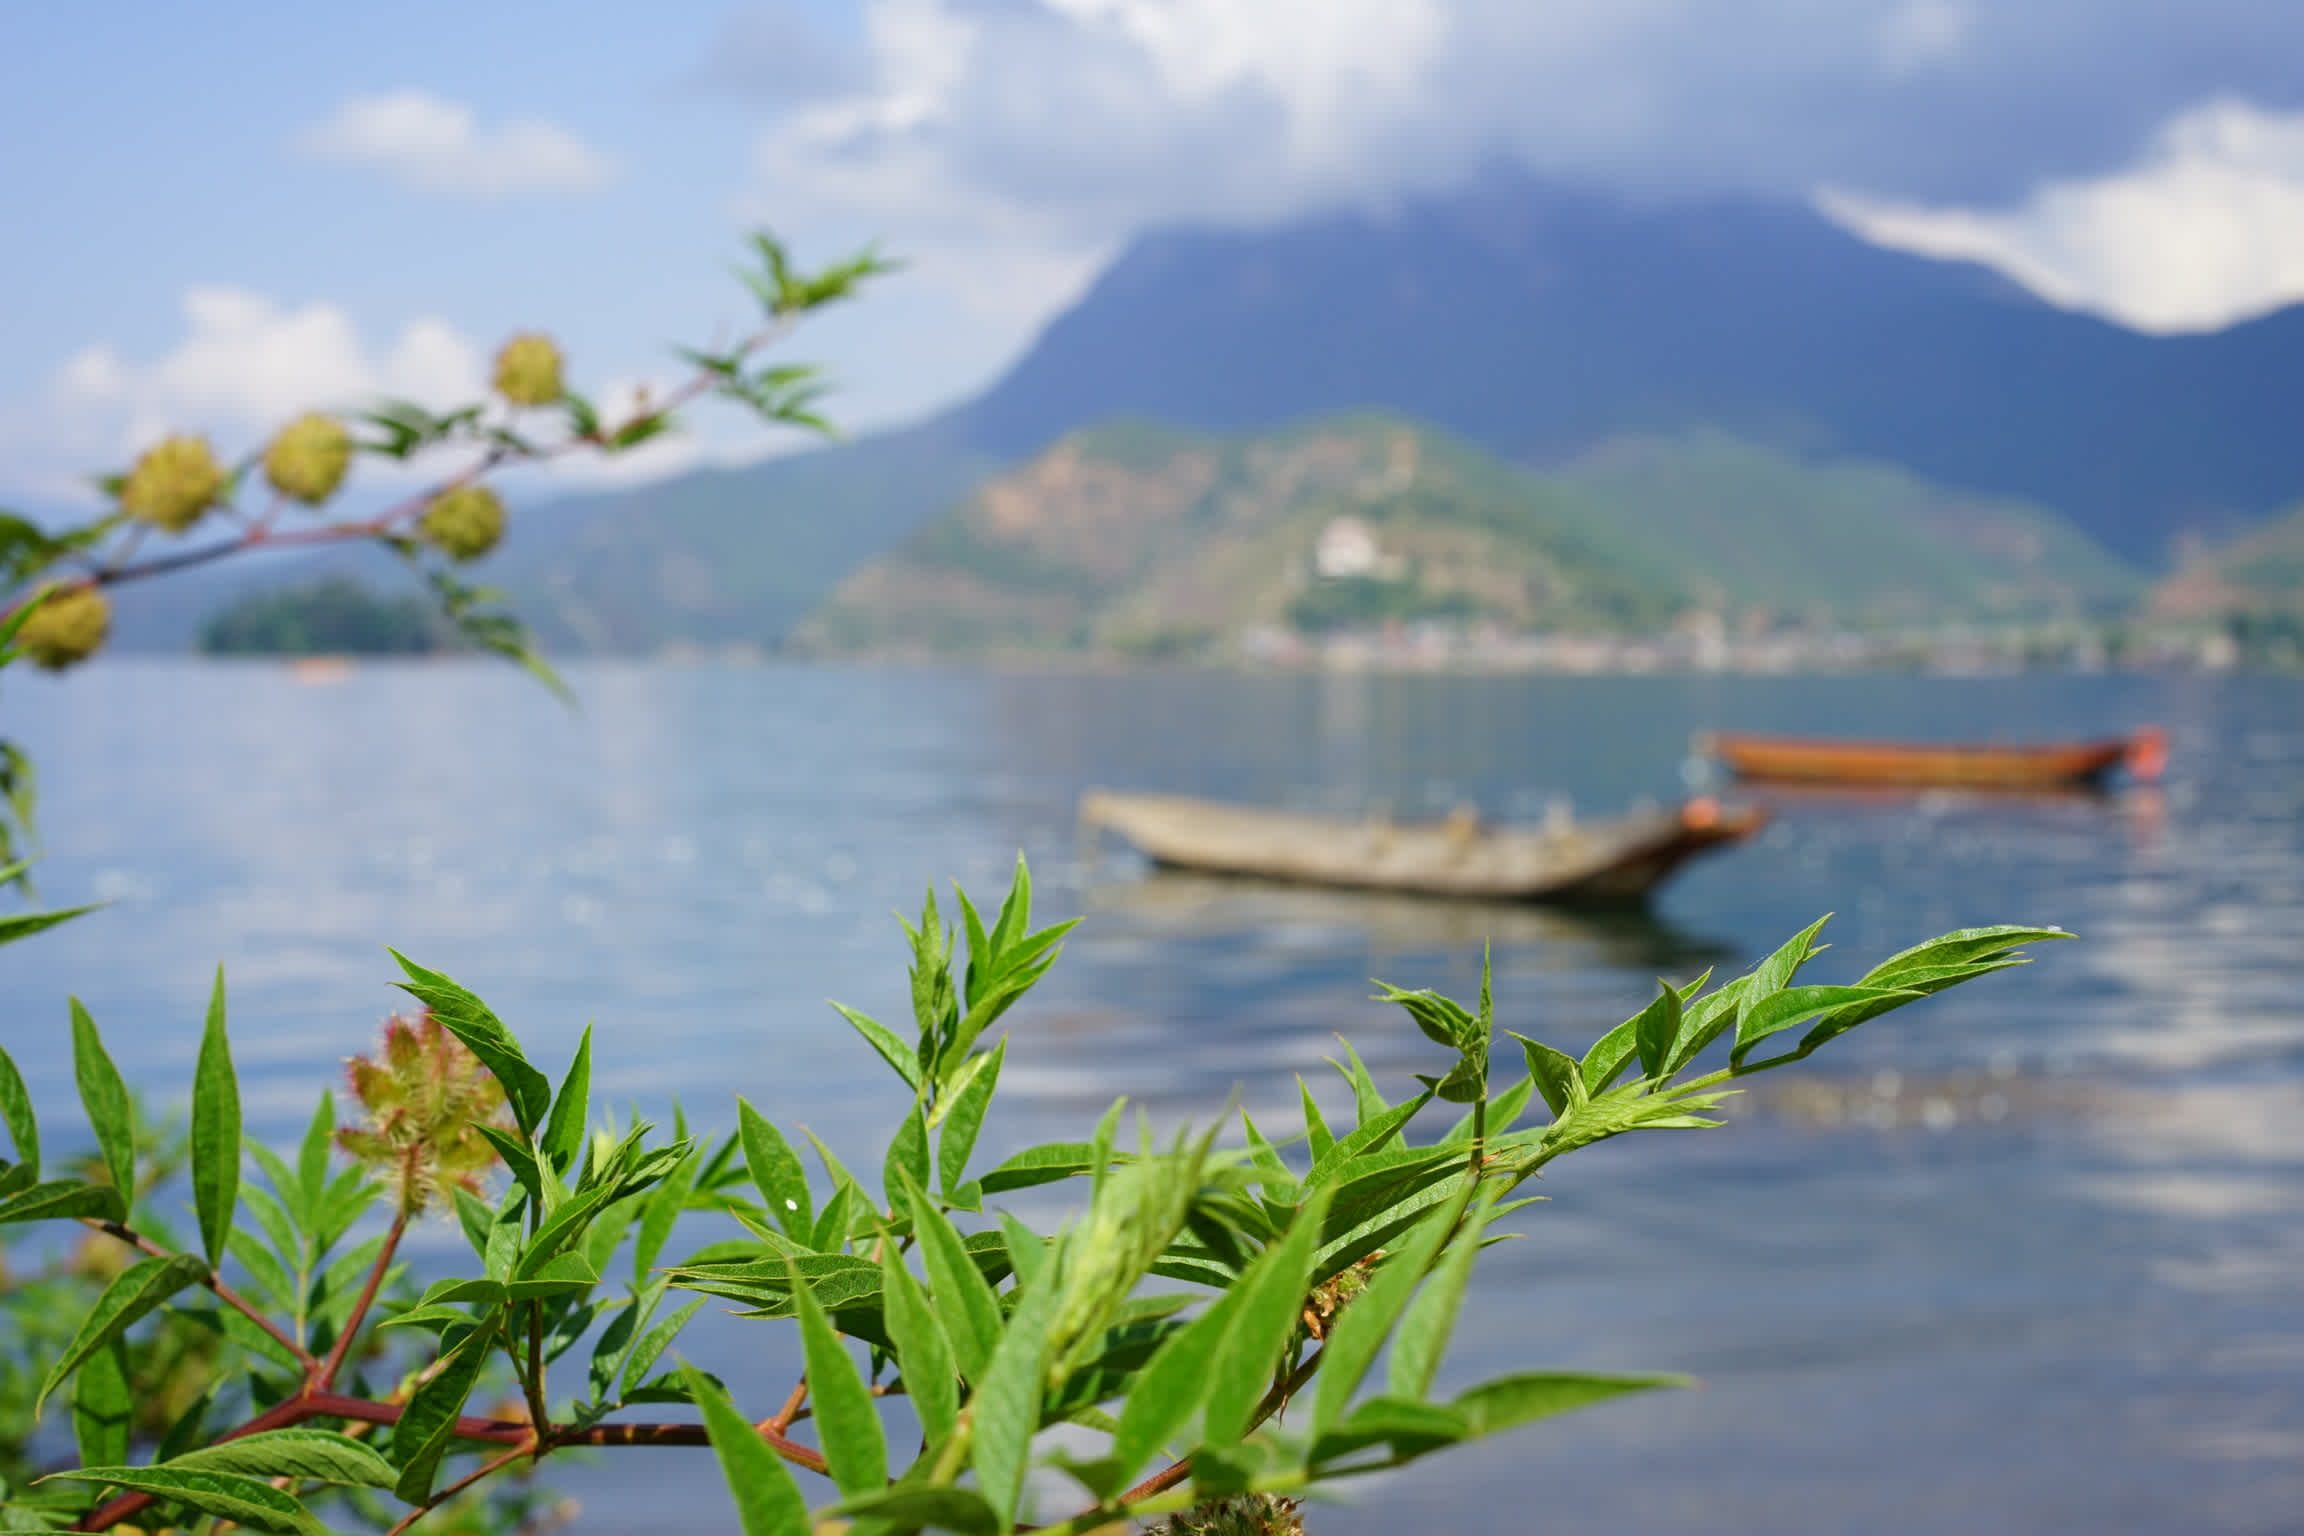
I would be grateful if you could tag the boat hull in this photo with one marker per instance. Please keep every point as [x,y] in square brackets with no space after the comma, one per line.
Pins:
[1603,863]
[1794,759]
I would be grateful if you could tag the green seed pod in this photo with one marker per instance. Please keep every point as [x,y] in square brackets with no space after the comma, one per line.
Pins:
[465,523]
[307,461]
[173,484]
[528,370]
[1242,1514]
[66,629]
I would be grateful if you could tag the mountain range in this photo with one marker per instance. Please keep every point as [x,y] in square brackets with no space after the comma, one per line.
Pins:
[1545,326]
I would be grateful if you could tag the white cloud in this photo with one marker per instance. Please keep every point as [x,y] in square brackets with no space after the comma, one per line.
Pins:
[2207,227]
[247,363]
[1923,34]
[435,145]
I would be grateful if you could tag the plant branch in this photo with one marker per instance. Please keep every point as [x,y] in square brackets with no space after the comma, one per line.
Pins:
[262,534]
[488,1468]
[780,1421]
[213,1282]
[1176,1471]
[325,1377]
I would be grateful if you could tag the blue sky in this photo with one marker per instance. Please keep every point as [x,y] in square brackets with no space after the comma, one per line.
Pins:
[223,212]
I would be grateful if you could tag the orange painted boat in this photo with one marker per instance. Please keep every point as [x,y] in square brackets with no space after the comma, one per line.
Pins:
[1984,765]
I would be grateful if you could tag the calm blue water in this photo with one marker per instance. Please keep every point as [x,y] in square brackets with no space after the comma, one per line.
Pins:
[2028,1257]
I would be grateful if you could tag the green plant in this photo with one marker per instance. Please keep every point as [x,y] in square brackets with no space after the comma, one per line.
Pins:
[1292,1264]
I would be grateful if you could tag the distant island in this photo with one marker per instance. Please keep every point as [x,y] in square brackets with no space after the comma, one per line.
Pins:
[332,616]
[1372,539]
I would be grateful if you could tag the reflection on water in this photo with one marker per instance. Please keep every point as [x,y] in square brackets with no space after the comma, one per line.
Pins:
[1181,903]
[2021,1258]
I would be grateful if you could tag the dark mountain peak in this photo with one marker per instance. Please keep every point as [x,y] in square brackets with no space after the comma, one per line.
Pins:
[1539,319]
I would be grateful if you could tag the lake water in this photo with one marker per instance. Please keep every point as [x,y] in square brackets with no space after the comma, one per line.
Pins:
[2026,1257]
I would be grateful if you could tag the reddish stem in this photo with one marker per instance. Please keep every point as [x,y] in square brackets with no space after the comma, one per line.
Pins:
[224,1293]
[325,1376]
[486,1469]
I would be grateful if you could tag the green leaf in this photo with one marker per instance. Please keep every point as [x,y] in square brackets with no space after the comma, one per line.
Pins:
[1275,1286]
[1797,1005]
[1431,1318]
[1775,973]
[1655,1028]
[1344,1157]
[923,1350]
[1367,1102]
[1171,1388]
[768,1501]
[1316,1131]
[1410,1428]
[518,1159]
[427,1425]
[1027,1250]
[555,1276]
[1043,1164]
[22,925]
[907,1157]
[247,1501]
[963,1296]
[105,1097]
[1607,1057]
[848,1426]
[963,1111]
[1510,1401]
[1962,947]
[215,1131]
[308,1455]
[63,1200]
[881,1038]
[16,1111]
[469,1020]
[311,1186]
[134,1292]
[102,1407]
[1006,1404]
[1554,1073]
[1362,1327]
[563,1139]
[652,1345]
[917,1507]
[657,1214]
[776,1172]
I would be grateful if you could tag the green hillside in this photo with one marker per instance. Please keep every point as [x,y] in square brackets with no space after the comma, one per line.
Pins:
[2259,573]
[1134,537]
[1752,526]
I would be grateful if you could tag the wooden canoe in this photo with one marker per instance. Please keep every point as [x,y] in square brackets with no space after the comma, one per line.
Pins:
[1993,765]
[1615,862]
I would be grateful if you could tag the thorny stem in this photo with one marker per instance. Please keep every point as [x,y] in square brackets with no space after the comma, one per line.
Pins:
[487,1468]
[214,1282]
[325,1377]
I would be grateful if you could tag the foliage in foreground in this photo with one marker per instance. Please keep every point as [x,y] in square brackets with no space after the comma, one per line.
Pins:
[1224,1327]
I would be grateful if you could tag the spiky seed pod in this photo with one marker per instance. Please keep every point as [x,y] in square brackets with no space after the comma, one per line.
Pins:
[425,1095]
[1243,1514]
[528,370]
[67,629]
[465,523]
[308,458]
[173,484]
